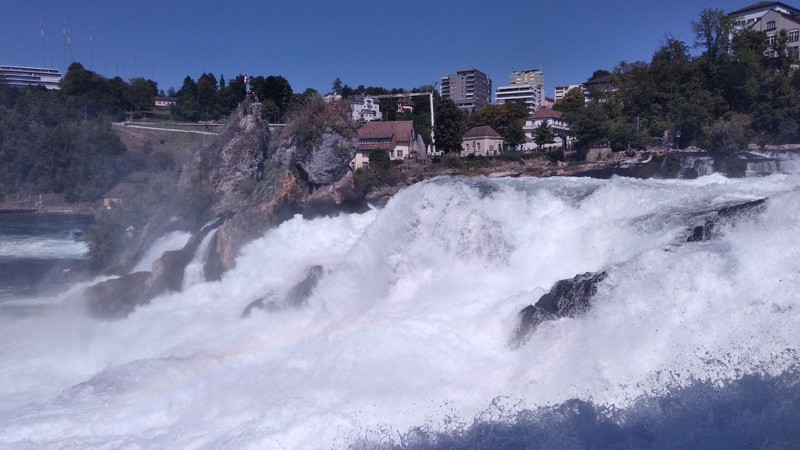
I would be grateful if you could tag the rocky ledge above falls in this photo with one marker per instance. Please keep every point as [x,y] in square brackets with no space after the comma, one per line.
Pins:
[249,182]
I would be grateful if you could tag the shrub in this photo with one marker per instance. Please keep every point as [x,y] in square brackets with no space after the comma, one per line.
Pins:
[555,155]
[727,137]
[379,160]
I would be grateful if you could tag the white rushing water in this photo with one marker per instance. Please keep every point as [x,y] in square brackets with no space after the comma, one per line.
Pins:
[411,323]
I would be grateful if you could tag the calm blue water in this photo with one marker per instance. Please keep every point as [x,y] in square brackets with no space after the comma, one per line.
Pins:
[37,254]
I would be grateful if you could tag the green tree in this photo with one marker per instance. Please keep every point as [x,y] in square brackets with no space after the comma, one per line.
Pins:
[543,135]
[712,32]
[727,136]
[450,126]
[379,161]
[336,88]
[573,101]
[507,119]
[142,94]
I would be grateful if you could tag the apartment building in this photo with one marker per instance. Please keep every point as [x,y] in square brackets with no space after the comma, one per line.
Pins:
[470,89]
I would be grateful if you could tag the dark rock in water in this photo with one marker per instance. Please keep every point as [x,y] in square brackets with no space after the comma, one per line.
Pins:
[116,298]
[567,298]
[299,293]
[529,318]
[261,303]
[296,297]
[725,216]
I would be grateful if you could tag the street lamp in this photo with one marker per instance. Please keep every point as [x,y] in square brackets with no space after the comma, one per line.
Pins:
[678,138]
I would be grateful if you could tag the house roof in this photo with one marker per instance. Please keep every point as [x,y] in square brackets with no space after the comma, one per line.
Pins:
[166,99]
[119,190]
[480,132]
[399,131]
[601,80]
[761,5]
[546,113]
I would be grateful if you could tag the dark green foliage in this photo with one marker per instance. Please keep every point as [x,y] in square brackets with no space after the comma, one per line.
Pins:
[507,119]
[556,155]
[150,193]
[543,134]
[379,160]
[450,126]
[727,137]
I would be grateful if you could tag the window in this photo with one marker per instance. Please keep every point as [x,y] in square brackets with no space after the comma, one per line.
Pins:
[399,153]
[479,147]
[794,35]
[771,41]
[771,25]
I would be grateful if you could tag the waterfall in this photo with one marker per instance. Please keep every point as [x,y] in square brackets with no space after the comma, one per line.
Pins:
[702,165]
[407,335]
[193,273]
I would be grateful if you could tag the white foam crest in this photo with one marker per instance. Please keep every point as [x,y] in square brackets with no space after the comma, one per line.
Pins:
[412,319]
[170,241]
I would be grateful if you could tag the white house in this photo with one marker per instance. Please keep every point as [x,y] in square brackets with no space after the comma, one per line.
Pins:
[364,108]
[554,120]
[748,15]
[482,141]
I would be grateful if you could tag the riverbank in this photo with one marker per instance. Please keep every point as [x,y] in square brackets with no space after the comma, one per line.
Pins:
[46,204]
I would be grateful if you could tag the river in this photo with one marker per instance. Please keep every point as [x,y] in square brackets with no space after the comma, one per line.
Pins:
[406,341]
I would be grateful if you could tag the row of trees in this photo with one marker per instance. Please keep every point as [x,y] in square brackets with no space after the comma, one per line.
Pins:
[209,99]
[724,96]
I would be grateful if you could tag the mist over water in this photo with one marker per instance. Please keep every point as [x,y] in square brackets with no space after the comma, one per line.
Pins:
[406,340]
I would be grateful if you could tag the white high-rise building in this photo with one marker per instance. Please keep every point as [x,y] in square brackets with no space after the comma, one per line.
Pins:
[531,95]
[18,76]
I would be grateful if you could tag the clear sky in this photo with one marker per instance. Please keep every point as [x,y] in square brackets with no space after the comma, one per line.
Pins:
[388,43]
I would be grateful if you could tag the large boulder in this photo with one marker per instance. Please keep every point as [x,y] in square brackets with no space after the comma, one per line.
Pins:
[567,298]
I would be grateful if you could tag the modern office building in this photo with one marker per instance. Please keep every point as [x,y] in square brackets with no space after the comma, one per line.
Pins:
[470,89]
[30,76]
[531,95]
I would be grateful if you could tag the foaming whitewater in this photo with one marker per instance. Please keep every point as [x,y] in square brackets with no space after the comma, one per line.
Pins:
[406,340]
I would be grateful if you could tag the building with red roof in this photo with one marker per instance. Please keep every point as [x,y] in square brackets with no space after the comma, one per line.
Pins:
[396,138]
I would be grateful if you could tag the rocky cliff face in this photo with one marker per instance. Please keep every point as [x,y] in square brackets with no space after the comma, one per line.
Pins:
[249,181]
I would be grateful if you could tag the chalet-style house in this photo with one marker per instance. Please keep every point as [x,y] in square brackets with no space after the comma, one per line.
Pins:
[482,141]
[554,120]
[396,138]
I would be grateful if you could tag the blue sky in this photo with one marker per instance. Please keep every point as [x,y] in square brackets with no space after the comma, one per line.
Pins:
[400,44]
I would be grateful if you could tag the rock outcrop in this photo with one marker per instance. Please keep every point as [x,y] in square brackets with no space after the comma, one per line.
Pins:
[567,298]
[118,297]
[296,297]
[250,182]
[728,215]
